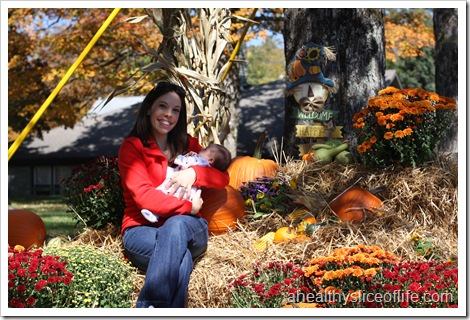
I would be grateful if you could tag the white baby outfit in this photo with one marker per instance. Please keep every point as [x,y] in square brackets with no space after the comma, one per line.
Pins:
[183,161]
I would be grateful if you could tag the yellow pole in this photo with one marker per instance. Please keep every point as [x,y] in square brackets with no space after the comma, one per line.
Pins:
[237,47]
[34,120]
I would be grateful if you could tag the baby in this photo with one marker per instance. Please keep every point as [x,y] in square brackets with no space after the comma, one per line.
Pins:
[214,155]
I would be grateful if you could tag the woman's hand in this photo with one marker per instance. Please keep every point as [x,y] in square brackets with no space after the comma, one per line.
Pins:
[197,202]
[184,179]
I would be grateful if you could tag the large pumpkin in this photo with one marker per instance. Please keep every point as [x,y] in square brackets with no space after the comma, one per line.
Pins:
[355,204]
[222,208]
[25,228]
[247,168]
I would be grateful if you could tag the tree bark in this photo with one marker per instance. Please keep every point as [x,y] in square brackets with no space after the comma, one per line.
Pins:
[446,61]
[358,38]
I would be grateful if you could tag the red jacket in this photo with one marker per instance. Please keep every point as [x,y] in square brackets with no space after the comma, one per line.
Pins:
[142,169]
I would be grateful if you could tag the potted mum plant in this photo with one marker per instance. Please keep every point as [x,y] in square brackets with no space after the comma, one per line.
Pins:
[402,126]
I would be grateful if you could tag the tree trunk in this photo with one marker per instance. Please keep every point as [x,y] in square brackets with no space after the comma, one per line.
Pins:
[357,36]
[446,60]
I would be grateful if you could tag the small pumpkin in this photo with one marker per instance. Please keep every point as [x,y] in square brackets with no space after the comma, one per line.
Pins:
[25,228]
[222,208]
[302,237]
[355,204]
[284,234]
[247,168]
[308,157]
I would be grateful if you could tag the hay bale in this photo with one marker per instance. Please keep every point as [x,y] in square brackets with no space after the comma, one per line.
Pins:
[420,201]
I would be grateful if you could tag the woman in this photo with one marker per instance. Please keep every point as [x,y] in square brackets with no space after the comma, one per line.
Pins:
[165,249]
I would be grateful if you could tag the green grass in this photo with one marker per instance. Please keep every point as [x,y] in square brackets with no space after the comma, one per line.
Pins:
[53,212]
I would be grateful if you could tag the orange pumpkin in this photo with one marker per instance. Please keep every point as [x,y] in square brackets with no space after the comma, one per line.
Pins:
[222,208]
[284,234]
[355,204]
[25,228]
[308,157]
[247,168]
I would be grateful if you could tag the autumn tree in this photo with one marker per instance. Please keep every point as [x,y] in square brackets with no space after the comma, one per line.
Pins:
[410,46]
[44,43]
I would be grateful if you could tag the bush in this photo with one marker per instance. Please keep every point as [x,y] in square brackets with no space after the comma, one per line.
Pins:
[267,287]
[36,280]
[101,279]
[402,126]
[94,193]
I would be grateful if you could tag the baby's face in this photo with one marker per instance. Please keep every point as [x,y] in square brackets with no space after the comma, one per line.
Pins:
[207,153]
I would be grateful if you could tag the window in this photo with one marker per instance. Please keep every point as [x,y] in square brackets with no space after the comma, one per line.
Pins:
[42,179]
[47,179]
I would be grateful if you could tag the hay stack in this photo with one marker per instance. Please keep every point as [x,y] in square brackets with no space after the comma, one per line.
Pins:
[420,202]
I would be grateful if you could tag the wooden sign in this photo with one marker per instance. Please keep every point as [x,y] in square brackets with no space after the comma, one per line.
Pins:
[316,131]
[324,116]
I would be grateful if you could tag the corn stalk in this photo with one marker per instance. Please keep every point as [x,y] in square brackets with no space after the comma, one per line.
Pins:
[191,58]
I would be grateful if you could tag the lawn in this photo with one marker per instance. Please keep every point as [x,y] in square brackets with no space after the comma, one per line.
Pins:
[52,210]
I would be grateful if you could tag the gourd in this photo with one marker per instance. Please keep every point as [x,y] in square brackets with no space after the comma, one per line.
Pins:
[25,228]
[345,157]
[247,168]
[284,234]
[325,156]
[303,226]
[262,243]
[355,204]
[222,208]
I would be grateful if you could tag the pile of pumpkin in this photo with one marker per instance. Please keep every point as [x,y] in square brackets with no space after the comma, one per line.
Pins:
[223,208]
[300,232]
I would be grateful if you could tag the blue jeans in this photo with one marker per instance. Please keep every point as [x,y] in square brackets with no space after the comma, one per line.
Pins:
[166,254]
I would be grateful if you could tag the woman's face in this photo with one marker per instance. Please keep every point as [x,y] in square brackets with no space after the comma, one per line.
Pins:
[164,113]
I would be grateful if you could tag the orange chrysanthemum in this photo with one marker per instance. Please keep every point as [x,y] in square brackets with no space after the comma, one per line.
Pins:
[399,134]
[361,148]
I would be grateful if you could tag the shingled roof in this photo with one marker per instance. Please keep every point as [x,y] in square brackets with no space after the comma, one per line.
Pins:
[99,133]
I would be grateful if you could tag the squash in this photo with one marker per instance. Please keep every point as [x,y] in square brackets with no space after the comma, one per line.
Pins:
[345,157]
[355,204]
[303,227]
[25,228]
[325,156]
[222,208]
[247,168]
[284,234]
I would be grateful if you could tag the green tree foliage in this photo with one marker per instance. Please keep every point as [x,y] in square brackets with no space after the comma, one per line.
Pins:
[266,62]
[416,72]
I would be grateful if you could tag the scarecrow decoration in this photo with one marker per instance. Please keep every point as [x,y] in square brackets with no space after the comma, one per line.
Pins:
[310,88]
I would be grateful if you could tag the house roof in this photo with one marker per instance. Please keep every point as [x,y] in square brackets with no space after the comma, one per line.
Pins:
[392,79]
[99,133]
